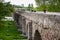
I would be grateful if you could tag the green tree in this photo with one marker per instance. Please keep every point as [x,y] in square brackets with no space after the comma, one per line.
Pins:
[54,6]
[50,5]
[5,9]
[41,4]
[30,7]
[38,2]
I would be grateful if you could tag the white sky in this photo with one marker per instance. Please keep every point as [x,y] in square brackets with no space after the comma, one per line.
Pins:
[19,2]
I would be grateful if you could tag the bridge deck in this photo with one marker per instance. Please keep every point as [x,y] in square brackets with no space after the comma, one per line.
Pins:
[39,16]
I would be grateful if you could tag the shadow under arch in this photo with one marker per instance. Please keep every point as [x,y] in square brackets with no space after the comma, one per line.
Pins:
[37,35]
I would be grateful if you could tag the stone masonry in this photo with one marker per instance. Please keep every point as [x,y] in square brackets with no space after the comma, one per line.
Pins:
[38,26]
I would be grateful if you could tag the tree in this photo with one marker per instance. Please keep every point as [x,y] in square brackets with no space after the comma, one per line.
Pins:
[5,9]
[22,5]
[30,7]
[38,2]
[50,5]
[41,4]
[54,5]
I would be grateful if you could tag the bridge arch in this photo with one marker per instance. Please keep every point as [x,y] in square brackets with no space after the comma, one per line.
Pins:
[37,35]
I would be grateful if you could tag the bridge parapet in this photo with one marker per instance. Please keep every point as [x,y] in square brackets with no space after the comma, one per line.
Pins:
[47,24]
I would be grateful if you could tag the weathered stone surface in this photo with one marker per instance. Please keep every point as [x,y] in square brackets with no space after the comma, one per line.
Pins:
[48,25]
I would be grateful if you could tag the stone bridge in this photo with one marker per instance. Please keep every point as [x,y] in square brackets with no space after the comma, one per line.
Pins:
[38,26]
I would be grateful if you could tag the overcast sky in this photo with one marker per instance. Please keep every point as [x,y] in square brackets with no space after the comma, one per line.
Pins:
[19,2]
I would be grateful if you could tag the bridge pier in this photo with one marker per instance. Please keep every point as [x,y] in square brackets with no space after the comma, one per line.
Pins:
[24,26]
[30,30]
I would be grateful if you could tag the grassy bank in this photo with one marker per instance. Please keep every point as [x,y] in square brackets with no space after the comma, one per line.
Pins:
[10,32]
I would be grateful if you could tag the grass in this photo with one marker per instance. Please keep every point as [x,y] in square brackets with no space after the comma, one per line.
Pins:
[10,32]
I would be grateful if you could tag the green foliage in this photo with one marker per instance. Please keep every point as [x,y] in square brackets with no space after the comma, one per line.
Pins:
[30,7]
[5,9]
[41,8]
[10,32]
[38,2]
[50,5]
[54,6]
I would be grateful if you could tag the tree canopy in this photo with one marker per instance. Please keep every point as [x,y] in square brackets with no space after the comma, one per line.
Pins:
[5,9]
[30,7]
[50,5]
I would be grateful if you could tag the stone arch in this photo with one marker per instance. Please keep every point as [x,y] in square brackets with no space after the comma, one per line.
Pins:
[37,35]
[59,39]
